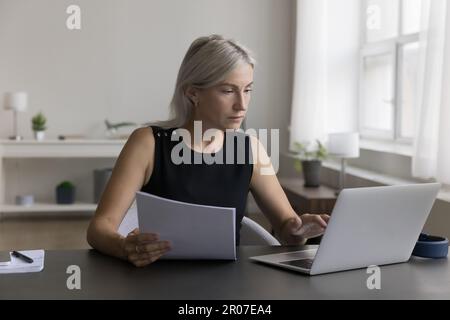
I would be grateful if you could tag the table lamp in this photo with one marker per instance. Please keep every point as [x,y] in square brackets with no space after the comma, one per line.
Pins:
[343,145]
[18,102]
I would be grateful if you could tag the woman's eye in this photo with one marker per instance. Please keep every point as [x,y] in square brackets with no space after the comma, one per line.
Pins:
[231,91]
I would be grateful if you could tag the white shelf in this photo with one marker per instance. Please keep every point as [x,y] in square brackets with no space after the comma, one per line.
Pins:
[61,142]
[50,149]
[49,207]
[60,148]
[388,147]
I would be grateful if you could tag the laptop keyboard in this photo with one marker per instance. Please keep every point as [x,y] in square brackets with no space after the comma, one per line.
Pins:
[302,263]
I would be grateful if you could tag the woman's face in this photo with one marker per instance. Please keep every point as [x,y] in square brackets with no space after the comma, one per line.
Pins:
[224,106]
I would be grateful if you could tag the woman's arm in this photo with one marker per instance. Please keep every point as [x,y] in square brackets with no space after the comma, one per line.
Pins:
[270,197]
[132,170]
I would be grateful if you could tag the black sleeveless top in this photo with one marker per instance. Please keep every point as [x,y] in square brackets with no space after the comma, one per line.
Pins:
[214,184]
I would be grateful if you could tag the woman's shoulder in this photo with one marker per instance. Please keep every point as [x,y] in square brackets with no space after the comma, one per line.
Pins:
[142,137]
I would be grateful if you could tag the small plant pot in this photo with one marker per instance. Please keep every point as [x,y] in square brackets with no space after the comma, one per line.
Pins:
[311,173]
[39,135]
[25,200]
[65,195]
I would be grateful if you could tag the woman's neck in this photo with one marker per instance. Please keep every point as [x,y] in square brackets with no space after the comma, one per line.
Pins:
[212,143]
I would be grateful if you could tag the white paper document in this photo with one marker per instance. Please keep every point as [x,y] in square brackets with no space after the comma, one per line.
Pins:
[129,222]
[195,231]
[17,265]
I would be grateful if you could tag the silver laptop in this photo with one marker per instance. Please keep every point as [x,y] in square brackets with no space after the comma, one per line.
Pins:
[368,226]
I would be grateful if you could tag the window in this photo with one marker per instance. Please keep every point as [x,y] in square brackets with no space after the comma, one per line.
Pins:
[388,69]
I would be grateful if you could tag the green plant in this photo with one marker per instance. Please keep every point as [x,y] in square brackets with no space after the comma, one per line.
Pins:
[38,122]
[304,153]
[66,185]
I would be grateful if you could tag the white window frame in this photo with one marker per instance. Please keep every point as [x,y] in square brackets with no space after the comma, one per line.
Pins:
[393,47]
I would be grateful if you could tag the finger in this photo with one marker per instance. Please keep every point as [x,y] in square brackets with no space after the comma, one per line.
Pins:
[147,255]
[143,251]
[317,233]
[303,230]
[146,237]
[157,257]
[141,263]
[142,237]
[146,261]
[311,228]
[155,253]
[312,232]
[158,245]
[132,245]
[321,222]
[325,217]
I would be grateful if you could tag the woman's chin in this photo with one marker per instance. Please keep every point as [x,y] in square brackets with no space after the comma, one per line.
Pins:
[233,127]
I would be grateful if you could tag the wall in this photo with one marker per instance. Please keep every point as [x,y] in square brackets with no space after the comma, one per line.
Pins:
[122,64]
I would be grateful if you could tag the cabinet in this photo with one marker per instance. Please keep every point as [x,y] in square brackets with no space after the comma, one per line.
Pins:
[40,164]
[308,200]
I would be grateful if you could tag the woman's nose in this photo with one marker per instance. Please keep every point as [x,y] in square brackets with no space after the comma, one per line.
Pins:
[240,103]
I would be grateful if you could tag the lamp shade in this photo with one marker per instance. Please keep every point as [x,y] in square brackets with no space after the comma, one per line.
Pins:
[17,101]
[344,145]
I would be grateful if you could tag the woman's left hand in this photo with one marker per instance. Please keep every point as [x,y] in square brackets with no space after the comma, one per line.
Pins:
[298,229]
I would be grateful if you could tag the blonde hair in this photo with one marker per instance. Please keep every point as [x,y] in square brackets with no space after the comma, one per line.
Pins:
[206,63]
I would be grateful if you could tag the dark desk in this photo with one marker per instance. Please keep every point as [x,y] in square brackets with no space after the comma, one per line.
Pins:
[104,277]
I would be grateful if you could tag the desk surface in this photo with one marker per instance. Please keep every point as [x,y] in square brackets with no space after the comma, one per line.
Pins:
[103,277]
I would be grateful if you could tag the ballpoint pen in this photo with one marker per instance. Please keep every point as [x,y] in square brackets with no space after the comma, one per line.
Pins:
[22,256]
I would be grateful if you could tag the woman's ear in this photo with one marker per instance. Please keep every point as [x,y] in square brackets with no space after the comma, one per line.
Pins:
[192,94]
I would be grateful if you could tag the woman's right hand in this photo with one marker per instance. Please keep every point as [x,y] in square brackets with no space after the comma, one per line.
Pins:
[142,249]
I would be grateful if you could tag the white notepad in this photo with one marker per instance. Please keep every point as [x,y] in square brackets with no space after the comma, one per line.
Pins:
[17,265]
[195,231]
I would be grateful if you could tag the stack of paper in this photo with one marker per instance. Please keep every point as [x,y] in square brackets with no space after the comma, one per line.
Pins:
[17,265]
[195,231]
[129,222]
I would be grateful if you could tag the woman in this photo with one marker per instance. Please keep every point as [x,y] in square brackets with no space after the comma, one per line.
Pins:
[213,86]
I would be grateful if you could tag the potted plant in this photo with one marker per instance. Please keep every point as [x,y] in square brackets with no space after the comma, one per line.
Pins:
[309,160]
[65,193]
[38,124]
